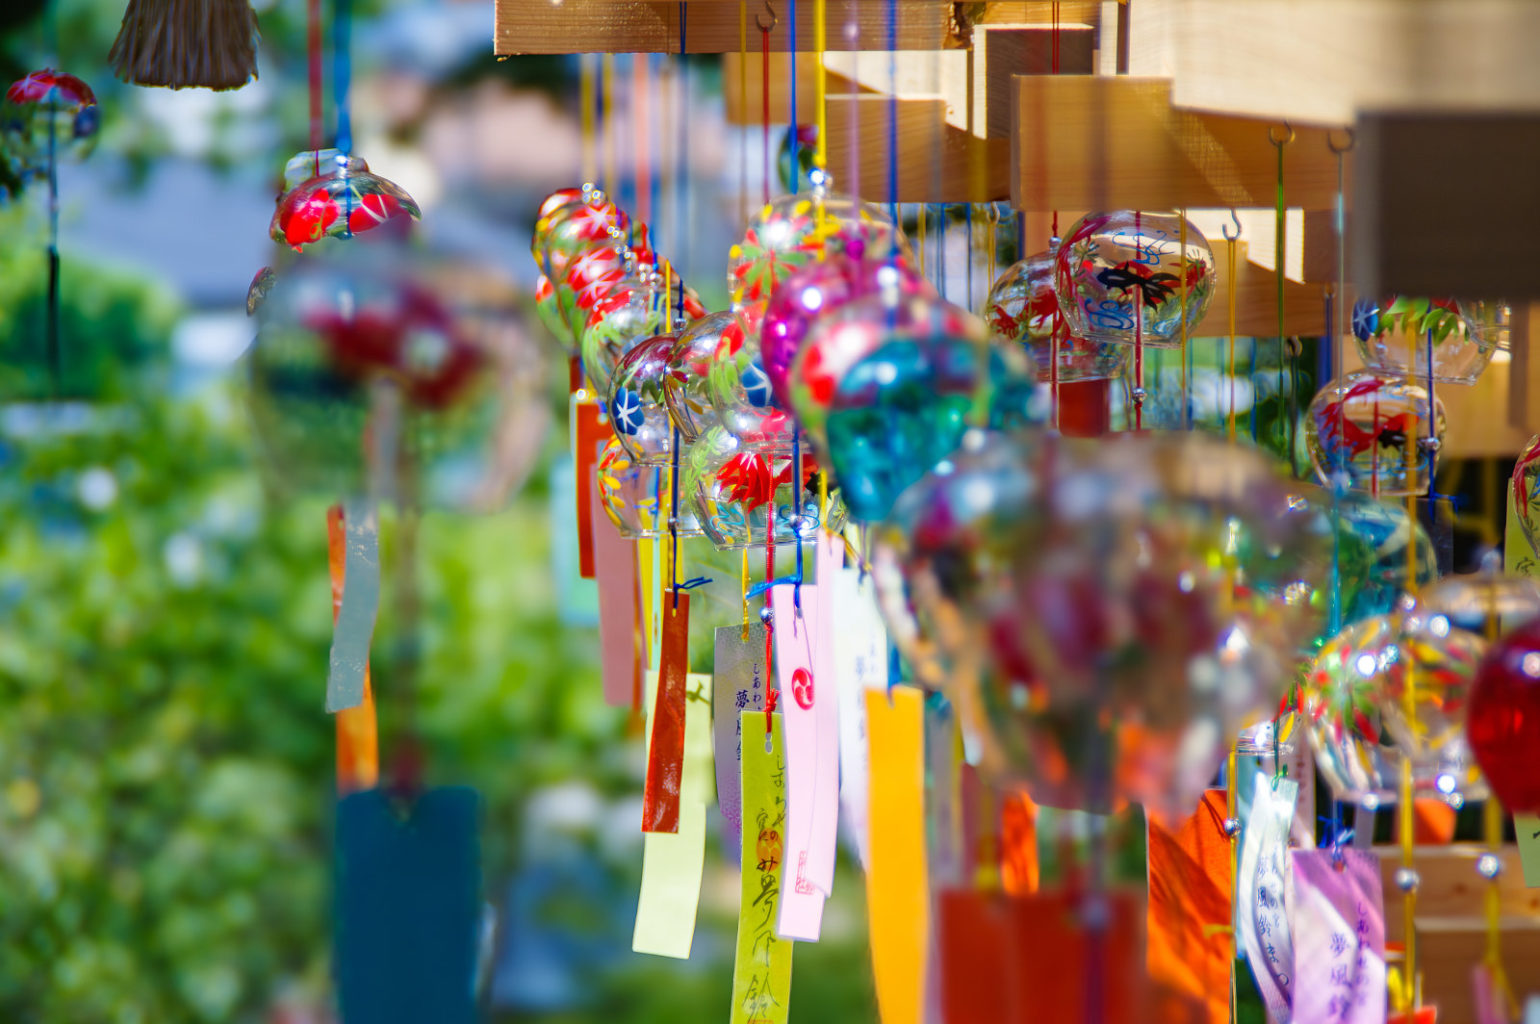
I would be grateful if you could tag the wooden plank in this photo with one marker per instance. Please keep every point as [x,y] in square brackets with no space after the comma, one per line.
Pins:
[1322,61]
[635,26]
[1445,204]
[1449,887]
[1447,949]
[1003,51]
[1118,142]
[1451,927]
[936,162]
[747,107]
[1256,300]
[1524,384]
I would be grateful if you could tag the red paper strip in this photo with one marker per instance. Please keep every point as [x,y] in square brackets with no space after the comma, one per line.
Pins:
[975,960]
[358,745]
[1189,920]
[589,435]
[622,648]
[1059,963]
[665,760]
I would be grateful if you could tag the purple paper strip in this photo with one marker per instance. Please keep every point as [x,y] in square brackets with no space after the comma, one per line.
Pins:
[1339,938]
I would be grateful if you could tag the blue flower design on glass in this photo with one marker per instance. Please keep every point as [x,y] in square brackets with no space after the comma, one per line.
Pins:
[756,384]
[626,411]
[1366,319]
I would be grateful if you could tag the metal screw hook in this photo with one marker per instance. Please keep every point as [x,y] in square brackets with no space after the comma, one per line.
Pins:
[775,19]
[1287,138]
[1225,229]
[1352,139]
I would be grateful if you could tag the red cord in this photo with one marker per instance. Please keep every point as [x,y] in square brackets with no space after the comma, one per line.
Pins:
[764,91]
[313,32]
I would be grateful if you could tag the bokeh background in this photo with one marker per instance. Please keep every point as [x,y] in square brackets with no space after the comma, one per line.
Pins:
[165,765]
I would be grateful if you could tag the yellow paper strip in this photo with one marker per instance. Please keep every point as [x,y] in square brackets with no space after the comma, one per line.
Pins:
[762,967]
[673,862]
[897,900]
[646,564]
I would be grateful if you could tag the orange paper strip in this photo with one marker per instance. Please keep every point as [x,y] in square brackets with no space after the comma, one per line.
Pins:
[897,894]
[1018,844]
[1189,918]
[358,745]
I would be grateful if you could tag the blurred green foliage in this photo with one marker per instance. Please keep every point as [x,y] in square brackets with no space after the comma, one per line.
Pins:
[111,323]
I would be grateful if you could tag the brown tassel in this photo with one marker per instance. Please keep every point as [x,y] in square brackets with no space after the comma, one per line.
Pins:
[180,44]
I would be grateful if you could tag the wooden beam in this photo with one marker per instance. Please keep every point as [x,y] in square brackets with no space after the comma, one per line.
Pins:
[1096,142]
[1451,931]
[1524,382]
[1256,300]
[1322,61]
[747,108]
[936,163]
[1446,204]
[637,26]
[1003,51]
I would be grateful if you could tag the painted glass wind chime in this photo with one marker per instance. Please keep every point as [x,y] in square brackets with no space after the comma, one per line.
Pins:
[1006,624]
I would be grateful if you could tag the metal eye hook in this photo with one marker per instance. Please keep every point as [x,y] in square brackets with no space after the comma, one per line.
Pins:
[1352,139]
[1225,229]
[1287,138]
[775,19]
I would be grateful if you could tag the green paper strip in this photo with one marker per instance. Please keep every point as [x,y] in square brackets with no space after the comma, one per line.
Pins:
[673,862]
[762,967]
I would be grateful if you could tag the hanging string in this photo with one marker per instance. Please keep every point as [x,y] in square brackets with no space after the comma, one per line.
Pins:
[1138,395]
[51,324]
[1230,241]
[893,111]
[791,55]
[587,88]
[314,51]
[1288,354]
[1186,396]
[743,591]
[641,92]
[820,85]
[1409,710]
[743,98]
[921,230]
[611,128]
[342,73]
[764,92]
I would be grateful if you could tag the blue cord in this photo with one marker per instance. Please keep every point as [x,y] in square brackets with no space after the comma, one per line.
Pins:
[342,71]
[791,46]
[893,109]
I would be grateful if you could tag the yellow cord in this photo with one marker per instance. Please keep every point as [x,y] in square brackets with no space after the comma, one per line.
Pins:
[1182,263]
[1409,710]
[607,86]
[1233,367]
[590,146]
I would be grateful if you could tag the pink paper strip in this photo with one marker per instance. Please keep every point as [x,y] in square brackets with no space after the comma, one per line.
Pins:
[1339,938]
[801,913]
[826,783]
[622,648]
